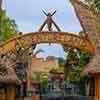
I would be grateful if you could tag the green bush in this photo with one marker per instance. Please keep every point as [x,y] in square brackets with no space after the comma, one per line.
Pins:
[55,70]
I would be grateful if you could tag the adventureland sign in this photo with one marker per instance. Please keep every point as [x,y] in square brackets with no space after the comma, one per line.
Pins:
[30,39]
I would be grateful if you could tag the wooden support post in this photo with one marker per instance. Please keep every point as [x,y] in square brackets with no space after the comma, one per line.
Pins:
[29,86]
[97,87]
[11,92]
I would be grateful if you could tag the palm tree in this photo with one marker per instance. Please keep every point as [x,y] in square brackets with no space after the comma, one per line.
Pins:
[37,52]
[93,5]
[70,60]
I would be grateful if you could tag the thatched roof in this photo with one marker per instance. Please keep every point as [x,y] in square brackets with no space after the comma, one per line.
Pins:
[8,75]
[93,67]
[90,22]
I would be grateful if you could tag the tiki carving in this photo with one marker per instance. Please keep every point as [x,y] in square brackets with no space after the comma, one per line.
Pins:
[49,21]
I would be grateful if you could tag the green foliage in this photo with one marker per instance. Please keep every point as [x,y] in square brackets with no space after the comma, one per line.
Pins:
[8,27]
[55,70]
[61,62]
[50,57]
[42,77]
[93,5]
[82,58]
[37,52]
[72,55]
[82,34]
[77,68]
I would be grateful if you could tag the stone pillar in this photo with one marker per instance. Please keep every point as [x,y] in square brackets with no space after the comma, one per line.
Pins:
[97,87]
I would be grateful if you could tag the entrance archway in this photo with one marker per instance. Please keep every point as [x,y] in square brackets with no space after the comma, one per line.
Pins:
[30,39]
[91,26]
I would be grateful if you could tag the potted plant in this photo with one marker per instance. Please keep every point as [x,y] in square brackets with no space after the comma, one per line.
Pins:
[56,73]
[40,79]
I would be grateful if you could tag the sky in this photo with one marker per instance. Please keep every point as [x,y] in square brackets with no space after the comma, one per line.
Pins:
[29,17]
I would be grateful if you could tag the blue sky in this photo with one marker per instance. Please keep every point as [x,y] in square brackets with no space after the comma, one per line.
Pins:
[29,17]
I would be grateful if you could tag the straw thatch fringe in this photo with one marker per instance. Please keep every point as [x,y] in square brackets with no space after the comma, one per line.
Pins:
[8,76]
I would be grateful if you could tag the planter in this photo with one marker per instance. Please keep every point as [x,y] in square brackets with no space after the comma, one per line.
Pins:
[26,98]
[72,62]
[36,97]
[56,75]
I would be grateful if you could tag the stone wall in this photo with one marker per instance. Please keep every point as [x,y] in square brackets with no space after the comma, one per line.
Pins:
[41,65]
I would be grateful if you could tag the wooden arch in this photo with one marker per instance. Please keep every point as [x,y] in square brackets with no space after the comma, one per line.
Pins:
[30,39]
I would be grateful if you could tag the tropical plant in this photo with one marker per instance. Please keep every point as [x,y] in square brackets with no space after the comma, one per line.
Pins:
[61,62]
[72,56]
[44,78]
[81,57]
[50,57]
[55,70]
[37,52]
[93,5]
[77,68]
[39,76]
[8,27]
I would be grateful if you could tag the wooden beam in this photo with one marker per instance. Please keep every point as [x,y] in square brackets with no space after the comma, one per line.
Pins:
[30,39]
[97,87]
[11,92]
